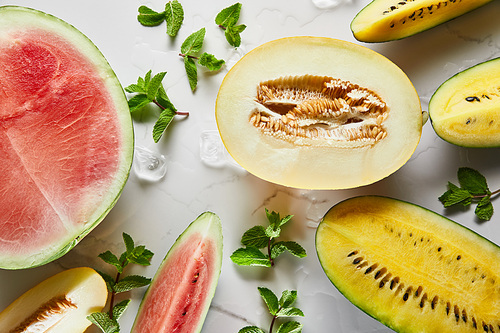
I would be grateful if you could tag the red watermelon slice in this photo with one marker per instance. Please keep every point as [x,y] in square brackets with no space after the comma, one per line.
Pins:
[66,137]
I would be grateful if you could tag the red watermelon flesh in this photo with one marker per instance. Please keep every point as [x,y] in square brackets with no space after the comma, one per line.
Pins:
[61,141]
[179,296]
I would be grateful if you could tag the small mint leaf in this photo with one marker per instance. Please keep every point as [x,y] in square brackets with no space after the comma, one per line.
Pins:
[287,298]
[134,88]
[228,16]
[256,237]
[273,231]
[137,102]
[210,61]
[129,242]
[293,247]
[251,329]
[174,15]
[290,312]
[102,320]
[149,17]
[273,218]
[484,209]
[290,327]
[163,100]
[120,308]
[193,42]
[472,181]
[162,123]
[131,282]
[192,72]
[155,84]
[111,259]
[250,256]
[147,80]
[455,195]
[232,34]
[270,299]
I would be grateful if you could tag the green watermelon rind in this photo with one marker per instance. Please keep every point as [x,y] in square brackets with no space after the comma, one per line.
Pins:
[209,224]
[12,16]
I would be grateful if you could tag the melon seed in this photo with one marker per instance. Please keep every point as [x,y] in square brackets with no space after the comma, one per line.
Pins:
[308,108]
[46,315]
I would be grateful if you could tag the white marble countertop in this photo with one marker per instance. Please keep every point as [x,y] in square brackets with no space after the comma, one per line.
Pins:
[155,213]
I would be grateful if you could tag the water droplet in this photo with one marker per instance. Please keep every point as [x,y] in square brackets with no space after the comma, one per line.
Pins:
[149,165]
[212,150]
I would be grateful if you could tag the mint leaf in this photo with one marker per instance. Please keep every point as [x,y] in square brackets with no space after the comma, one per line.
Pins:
[270,299]
[251,329]
[111,259]
[472,181]
[455,195]
[287,298]
[104,322]
[250,256]
[290,327]
[174,15]
[149,17]
[293,247]
[255,236]
[131,282]
[290,312]
[228,16]
[193,42]
[129,242]
[120,308]
[155,84]
[162,123]
[232,34]
[164,101]
[210,62]
[192,72]
[135,88]
[137,102]
[484,209]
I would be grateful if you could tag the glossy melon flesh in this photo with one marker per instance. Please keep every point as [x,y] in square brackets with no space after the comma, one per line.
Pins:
[410,268]
[59,304]
[66,137]
[465,110]
[386,20]
[318,113]
[182,289]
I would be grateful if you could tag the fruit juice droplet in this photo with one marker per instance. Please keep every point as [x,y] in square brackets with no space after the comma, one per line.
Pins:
[149,165]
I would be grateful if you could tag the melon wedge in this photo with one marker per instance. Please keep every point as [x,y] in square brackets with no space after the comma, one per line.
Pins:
[66,137]
[318,113]
[59,304]
[182,289]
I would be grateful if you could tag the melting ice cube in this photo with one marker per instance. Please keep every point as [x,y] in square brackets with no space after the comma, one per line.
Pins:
[149,165]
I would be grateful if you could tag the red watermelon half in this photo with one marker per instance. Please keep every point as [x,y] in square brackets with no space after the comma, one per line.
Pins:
[66,137]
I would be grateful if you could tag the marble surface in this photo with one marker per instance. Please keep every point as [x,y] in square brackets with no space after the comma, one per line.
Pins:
[156,212]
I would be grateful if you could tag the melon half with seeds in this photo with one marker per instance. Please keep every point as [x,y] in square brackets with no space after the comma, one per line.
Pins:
[410,268]
[318,113]
[66,137]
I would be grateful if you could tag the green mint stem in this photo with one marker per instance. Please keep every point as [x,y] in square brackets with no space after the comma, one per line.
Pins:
[180,113]
[487,194]
[269,253]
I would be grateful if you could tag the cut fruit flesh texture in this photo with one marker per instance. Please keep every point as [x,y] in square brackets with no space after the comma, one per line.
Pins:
[180,294]
[65,142]
[59,304]
[410,268]
[385,20]
[465,110]
[318,159]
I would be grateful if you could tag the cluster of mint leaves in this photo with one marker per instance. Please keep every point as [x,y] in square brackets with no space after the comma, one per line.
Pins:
[108,321]
[473,187]
[279,308]
[260,237]
[149,89]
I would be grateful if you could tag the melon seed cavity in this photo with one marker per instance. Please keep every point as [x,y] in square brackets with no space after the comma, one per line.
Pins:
[46,315]
[319,110]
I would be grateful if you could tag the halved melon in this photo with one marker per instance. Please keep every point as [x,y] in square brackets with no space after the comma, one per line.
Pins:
[66,137]
[182,289]
[410,268]
[386,20]
[318,113]
[465,110]
[59,304]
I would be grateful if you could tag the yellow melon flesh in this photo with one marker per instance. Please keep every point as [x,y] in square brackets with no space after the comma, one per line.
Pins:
[60,304]
[318,113]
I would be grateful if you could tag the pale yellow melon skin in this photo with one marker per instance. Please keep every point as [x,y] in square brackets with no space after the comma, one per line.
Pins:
[314,167]
[83,286]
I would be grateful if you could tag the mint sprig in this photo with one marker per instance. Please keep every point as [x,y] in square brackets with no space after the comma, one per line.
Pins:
[260,237]
[173,15]
[150,90]
[279,308]
[227,19]
[190,49]
[473,188]
[108,321]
